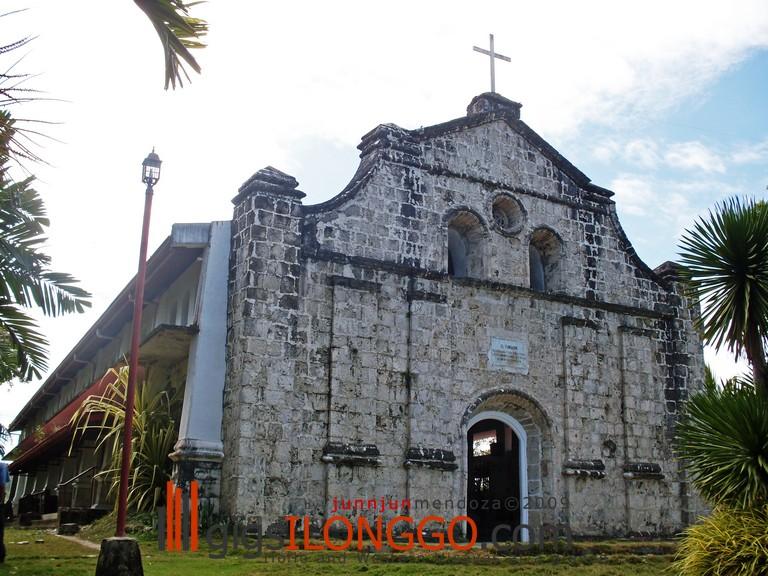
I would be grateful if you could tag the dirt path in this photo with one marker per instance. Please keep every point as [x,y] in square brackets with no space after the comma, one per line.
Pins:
[85,543]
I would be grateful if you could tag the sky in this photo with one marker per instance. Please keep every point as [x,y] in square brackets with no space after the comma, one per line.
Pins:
[662,102]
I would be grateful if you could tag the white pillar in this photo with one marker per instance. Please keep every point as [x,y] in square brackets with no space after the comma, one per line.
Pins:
[199,445]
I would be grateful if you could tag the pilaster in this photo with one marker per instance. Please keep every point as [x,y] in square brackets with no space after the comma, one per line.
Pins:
[262,320]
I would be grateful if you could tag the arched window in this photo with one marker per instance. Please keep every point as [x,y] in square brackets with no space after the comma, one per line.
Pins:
[457,253]
[544,261]
[508,214]
[465,234]
[536,263]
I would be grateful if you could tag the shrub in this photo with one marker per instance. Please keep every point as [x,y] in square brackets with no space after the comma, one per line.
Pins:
[729,542]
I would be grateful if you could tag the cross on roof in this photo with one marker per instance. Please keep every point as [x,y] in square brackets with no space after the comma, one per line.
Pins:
[493,56]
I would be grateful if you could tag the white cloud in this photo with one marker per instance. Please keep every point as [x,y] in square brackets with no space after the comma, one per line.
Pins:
[667,203]
[693,156]
[708,187]
[650,154]
[633,195]
[630,73]
[661,207]
[751,153]
[605,151]
[642,152]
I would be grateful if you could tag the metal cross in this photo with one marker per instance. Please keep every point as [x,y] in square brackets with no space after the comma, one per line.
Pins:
[493,56]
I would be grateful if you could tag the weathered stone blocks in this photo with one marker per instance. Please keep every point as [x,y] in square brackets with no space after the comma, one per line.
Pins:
[356,362]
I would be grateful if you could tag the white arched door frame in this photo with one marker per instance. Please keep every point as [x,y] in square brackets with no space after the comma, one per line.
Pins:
[523,458]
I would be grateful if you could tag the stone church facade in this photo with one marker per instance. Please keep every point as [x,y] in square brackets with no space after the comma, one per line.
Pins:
[465,320]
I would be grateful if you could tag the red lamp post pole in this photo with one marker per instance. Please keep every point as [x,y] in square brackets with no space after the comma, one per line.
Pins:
[138,304]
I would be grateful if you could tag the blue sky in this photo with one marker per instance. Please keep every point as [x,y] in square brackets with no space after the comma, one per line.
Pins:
[663,102]
[667,169]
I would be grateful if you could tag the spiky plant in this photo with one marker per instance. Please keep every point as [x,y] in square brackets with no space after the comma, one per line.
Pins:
[725,259]
[723,436]
[723,433]
[155,429]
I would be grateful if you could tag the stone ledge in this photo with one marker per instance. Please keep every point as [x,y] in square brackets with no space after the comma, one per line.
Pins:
[323,255]
[425,296]
[643,471]
[434,458]
[584,469]
[351,454]
[354,284]
[634,331]
[581,322]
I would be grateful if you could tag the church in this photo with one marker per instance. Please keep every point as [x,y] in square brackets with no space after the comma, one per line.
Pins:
[465,322]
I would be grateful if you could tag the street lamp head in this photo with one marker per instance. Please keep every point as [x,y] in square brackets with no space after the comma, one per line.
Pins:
[150,169]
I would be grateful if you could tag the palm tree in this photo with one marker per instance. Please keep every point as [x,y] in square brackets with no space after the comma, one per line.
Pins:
[723,433]
[178,32]
[725,259]
[25,278]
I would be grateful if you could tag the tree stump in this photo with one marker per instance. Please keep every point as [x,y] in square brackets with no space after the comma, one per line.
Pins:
[119,557]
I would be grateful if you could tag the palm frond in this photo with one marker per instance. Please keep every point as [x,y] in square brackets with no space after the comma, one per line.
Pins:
[25,278]
[725,263]
[13,144]
[723,436]
[156,412]
[179,32]
[20,332]
[9,359]
[9,94]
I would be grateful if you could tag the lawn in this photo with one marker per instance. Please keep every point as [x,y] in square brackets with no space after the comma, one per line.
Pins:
[57,557]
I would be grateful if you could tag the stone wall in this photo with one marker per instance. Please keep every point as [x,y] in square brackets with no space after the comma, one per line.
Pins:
[355,361]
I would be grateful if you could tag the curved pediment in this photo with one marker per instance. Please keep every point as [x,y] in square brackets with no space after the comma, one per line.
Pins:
[408,180]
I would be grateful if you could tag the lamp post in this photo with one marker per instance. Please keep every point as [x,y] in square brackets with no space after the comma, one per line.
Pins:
[150,174]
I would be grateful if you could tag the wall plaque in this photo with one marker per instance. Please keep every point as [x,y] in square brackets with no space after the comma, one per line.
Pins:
[508,355]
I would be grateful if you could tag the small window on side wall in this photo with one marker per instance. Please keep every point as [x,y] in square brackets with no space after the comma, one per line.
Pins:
[457,253]
[545,261]
[465,235]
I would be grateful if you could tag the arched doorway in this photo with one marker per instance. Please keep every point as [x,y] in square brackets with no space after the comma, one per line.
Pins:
[496,474]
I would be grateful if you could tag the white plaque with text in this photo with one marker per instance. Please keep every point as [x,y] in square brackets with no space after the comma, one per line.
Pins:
[508,355]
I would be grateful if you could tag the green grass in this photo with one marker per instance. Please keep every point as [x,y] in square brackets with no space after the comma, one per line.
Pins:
[58,557]
[54,556]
